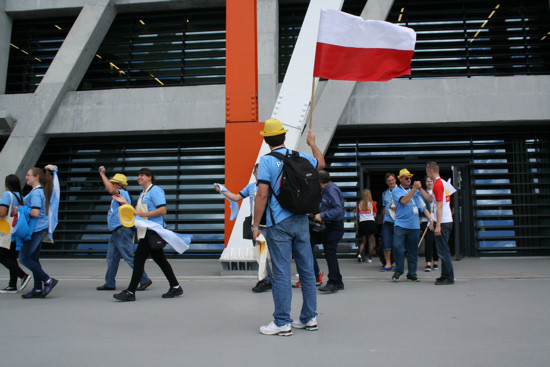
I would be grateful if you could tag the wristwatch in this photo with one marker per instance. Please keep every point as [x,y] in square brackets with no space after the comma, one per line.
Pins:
[255,229]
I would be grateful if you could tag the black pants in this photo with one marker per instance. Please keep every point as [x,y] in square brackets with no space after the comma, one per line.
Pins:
[331,236]
[142,253]
[8,258]
[430,251]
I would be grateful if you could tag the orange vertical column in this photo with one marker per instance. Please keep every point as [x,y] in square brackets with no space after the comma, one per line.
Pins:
[242,140]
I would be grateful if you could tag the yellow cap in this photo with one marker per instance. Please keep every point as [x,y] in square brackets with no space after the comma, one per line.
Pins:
[127,215]
[404,172]
[273,127]
[119,178]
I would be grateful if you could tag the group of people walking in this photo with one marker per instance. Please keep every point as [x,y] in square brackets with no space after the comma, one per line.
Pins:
[285,230]
[31,216]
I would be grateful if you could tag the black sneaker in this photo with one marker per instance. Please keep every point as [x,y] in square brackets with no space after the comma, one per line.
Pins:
[173,292]
[145,285]
[444,281]
[413,278]
[261,286]
[32,294]
[428,268]
[24,281]
[49,286]
[341,287]
[8,290]
[396,276]
[329,288]
[125,296]
[105,288]
[436,267]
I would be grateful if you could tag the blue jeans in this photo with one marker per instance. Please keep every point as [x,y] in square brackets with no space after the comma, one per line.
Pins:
[120,246]
[287,239]
[387,235]
[30,257]
[444,252]
[405,239]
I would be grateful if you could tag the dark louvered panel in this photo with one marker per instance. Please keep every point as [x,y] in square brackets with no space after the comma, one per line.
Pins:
[185,167]
[455,38]
[140,50]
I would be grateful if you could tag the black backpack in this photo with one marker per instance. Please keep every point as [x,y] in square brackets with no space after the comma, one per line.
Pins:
[300,191]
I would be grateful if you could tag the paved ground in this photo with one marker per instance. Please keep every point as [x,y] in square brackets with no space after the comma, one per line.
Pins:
[497,314]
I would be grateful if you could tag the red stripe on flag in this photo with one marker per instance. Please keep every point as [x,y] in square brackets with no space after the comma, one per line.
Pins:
[361,64]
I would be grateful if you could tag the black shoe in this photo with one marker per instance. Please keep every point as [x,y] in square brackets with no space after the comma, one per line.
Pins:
[125,296]
[413,278]
[444,281]
[105,288]
[48,287]
[24,281]
[261,286]
[396,276]
[329,288]
[173,292]
[436,267]
[341,286]
[32,294]
[145,285]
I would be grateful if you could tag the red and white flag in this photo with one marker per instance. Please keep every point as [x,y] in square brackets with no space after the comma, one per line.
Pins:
[350,48]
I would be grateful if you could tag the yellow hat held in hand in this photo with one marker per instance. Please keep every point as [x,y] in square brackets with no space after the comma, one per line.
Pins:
[119,178]
[127,215]
[404,172]
[273,127]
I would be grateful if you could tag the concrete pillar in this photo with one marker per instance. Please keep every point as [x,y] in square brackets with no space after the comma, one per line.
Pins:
[268,56]
[27,139]
[333,98]
[5,37]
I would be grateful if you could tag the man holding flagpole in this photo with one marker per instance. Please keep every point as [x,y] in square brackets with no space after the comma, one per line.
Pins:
[444,223]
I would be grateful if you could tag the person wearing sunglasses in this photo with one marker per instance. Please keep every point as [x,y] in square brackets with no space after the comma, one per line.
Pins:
[406,232]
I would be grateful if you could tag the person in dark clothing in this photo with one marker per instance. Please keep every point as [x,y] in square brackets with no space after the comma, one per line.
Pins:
[332,212]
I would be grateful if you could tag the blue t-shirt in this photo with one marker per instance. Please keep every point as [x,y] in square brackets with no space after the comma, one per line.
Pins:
[250,192]
[37,200]
[113,220]
[269,173]
[387,201]
[9,197]
[155,198]
[407,216]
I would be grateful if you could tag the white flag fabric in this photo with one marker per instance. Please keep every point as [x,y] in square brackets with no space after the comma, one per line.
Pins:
[179,242]
[54,205]
[351,48]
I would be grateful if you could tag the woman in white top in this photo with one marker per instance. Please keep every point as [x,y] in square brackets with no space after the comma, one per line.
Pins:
[366,213]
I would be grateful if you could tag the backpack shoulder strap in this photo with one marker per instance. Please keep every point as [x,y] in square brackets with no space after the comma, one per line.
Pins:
[277,155]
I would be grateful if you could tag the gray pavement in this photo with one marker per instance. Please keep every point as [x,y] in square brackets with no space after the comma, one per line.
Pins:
[496,314]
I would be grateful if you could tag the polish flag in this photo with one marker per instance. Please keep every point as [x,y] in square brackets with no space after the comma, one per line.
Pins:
[350,48]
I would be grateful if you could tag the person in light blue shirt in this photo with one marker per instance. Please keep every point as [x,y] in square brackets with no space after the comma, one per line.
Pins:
[8,253]
[406,232]
[121,244]
[249,191]
[388,212]
[286,234]
[152,206]
[38,200]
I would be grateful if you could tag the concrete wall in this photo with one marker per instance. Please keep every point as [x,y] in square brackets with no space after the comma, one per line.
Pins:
[175,109]
[484,99]
[160,110]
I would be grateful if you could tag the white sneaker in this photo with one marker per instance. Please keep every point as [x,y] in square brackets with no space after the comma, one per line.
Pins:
[311,325]
[369,260]
[273,329]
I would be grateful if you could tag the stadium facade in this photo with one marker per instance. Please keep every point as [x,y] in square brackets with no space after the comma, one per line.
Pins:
[141,83]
